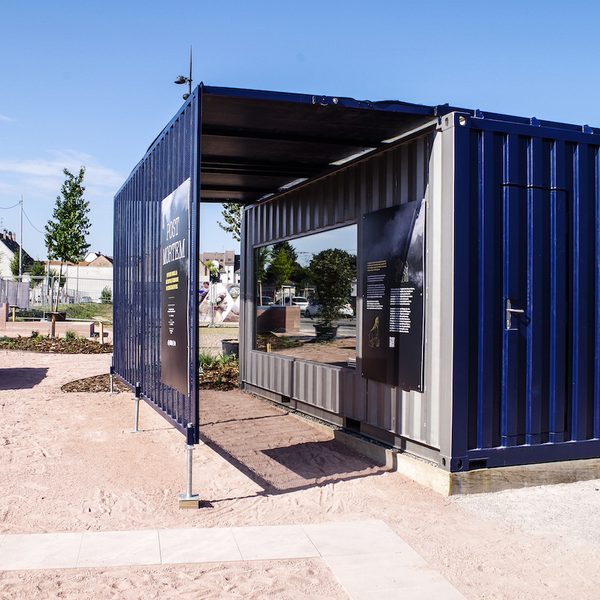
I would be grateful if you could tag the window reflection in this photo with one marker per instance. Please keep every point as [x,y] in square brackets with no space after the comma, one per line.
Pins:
[306,297]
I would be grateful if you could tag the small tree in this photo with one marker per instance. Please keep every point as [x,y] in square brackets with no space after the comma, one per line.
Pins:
[332,272]
[37,271]
[232,215]
[280,269]
[14,264]
[106,295]
[66,232]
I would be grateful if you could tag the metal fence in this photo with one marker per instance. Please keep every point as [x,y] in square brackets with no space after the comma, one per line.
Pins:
[43,293]
[171,160]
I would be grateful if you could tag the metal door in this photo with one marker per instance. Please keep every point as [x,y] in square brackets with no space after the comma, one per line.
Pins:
[535,315]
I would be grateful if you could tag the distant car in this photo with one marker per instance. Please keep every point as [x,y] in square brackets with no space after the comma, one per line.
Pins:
[313,310]
[300,301]
[265,301]
[86,300]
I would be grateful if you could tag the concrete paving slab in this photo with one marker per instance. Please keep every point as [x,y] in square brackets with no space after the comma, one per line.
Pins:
[39,551]
[355,537]
[406,575]
[119,548]
[198,545]
[274,542]
[429,592]
[367,558]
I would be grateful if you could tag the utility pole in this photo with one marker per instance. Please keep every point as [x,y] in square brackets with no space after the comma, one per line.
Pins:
[21,242]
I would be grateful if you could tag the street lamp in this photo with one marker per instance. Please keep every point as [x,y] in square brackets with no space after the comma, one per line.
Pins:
[181,79]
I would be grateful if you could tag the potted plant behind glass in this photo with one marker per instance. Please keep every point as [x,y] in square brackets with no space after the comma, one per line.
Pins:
[332,272]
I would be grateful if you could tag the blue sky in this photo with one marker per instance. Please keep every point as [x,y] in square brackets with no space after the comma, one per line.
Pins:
[91,82]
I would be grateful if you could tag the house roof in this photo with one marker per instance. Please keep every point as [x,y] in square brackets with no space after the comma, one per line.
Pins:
[13,247]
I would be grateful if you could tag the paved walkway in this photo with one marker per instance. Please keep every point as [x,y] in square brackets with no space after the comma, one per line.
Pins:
[368,559]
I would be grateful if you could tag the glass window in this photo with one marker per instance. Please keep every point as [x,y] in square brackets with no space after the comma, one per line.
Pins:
[306,297]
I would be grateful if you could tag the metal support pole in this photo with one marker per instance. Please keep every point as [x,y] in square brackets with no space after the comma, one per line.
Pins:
[111,379]
[21,243]
[136,410]
[189,499]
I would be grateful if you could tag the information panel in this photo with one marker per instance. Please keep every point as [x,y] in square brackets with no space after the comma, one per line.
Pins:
[174,260]
[393,273]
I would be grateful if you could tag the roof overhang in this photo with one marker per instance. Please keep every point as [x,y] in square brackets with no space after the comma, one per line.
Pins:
[257,143]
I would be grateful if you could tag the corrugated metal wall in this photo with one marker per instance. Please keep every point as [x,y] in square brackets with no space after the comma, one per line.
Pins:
[527,217]
[137,273]
[398,175]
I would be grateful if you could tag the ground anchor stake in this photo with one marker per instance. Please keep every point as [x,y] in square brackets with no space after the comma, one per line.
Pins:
[189,500]
[136,409]
[111,379]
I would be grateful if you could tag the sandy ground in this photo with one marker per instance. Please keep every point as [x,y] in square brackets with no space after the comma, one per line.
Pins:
[68,462]
[281,580]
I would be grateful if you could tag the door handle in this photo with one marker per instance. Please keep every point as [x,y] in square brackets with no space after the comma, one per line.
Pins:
[508,314]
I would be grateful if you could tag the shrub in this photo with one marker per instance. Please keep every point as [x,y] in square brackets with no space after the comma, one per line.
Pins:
[70,335]
[106,295]
[218,372]
[35,335]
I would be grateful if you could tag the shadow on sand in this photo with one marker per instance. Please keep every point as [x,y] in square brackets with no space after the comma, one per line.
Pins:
[21,378]
[276,450]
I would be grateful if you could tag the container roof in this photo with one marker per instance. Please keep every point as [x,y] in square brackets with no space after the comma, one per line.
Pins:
[255,143]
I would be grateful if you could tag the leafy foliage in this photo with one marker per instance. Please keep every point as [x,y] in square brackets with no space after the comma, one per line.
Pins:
[232,215]
[66,232]
[14,264]
[263,256]
[53,274]
[280,268]
[288,249]
[218,372]
[37,270]
[106,295]
[332,271]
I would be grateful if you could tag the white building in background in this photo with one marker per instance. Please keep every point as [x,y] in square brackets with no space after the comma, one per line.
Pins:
[85,281]
[9,247]
[228,263]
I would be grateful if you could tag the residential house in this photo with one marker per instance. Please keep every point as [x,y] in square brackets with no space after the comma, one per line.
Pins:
[9,247]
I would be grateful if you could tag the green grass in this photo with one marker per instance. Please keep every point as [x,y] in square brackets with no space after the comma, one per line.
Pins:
[74,311]
[87,311]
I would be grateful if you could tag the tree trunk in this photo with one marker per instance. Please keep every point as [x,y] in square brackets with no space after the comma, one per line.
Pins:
[53,326]
[58,287]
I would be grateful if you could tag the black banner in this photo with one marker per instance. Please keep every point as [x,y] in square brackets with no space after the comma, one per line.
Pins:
[393,272]
[174,292]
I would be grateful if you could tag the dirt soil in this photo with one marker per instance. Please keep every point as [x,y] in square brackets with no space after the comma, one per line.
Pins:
[338,352]
[42,343]
[69,462]
[95,384]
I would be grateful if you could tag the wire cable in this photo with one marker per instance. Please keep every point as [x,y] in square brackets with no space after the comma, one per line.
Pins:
[9,207]
[29,220]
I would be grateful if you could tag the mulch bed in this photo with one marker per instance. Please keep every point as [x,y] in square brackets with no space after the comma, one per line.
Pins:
[57,345]
[98,383]
[223,379]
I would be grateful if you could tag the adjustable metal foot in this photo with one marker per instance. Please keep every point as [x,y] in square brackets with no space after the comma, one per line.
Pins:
[189,500]
[136,409]
[111,379]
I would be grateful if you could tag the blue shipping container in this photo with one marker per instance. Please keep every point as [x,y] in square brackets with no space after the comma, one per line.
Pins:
[512,311]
